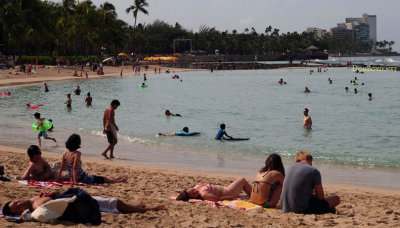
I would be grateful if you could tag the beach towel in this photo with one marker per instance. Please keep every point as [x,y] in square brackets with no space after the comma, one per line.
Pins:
[248,206]
[49,184]
[14,218]
[213,204]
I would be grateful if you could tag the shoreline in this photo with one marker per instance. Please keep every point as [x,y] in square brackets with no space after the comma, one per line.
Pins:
[120,163]
[359,206]
[336,174]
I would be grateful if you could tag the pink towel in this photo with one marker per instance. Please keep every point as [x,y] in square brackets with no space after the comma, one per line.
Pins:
[213,204]
[49,184]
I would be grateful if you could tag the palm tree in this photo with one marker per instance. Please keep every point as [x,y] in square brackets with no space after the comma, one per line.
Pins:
[138,6]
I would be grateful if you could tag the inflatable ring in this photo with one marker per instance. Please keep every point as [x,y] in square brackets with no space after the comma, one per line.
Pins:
[44,127]
[142,86]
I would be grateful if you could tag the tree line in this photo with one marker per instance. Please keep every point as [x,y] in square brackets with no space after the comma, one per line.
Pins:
[80,28]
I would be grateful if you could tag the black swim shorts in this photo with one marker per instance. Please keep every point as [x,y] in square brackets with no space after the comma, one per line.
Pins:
[317,206]
[111,137]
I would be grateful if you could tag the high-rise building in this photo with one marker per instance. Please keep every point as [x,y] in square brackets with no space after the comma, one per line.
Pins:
[371,21]
[317,32]
[341,32]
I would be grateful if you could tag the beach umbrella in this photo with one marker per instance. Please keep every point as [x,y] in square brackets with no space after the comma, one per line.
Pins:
[122,54]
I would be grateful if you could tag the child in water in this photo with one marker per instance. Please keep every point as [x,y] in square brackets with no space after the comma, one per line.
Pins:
[42,133]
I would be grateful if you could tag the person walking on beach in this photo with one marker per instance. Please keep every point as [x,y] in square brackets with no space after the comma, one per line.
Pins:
[88,99]
[298,186]
[110,128]
[307,122]
[42,133]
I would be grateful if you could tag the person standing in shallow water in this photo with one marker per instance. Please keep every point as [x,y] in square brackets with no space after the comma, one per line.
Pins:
[307,122]
[88,99]
[110,128]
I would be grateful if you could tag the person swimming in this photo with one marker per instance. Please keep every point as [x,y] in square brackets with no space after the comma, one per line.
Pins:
[184,132]
[306,90]
[168,113]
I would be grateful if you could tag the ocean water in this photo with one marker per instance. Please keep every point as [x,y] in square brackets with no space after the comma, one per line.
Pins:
[349,131]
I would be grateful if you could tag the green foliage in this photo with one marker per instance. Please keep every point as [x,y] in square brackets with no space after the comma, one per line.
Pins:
[48,60]
[79,29]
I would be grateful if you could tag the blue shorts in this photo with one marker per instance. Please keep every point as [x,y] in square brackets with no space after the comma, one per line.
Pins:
[42,133]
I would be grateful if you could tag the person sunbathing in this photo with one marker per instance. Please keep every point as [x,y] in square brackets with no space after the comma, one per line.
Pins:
[83,201]
[267,187]
[72,159]
[38,168]
[216,192]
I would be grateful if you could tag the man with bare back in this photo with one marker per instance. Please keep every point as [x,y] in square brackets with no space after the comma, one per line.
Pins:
[110,128]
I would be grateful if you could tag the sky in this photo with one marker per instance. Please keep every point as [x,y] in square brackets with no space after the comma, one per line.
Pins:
[286,15]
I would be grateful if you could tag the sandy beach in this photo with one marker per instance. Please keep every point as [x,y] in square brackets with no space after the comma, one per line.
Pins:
[359,206]
[52,73]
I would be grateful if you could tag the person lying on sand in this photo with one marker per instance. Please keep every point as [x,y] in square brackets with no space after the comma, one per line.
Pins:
[216,192]
[38,168]
[267,186]
[16,207]
[72,159]
[184,132]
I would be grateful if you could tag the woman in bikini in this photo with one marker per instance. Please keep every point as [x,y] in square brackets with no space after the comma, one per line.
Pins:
[72,159]
[268,183]
[216,192]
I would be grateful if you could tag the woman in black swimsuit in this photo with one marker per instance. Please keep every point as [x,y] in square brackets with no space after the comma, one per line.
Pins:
[268,183]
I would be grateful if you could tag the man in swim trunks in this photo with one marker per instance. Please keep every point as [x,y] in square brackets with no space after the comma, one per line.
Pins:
[77,91]
[221,133]
[307,122]
[69,101]
[42,133]
[110,128]
[111,205]
[88,100]
[300,183]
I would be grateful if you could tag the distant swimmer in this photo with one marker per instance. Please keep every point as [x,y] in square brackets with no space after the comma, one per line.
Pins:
[110,128]
[370,96]
[69,101]
[346,89]
[77,91]
[306,90]
[28,106]
[168,113]
[280,81]
[355,78]
[88,99]
[221,133]
[307,122]
[355,91]
[144,77]
[46,88]
[184,132]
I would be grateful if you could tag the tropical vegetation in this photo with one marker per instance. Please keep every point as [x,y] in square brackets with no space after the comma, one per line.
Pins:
[80,30]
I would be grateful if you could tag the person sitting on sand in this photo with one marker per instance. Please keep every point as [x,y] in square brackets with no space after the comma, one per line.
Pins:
[75,74]
[267,186]
[306,90]
[184,132]
[222,132]
[168,113]
[72,159]
[38,168]
[81,210]
[300,183]
[216,192]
